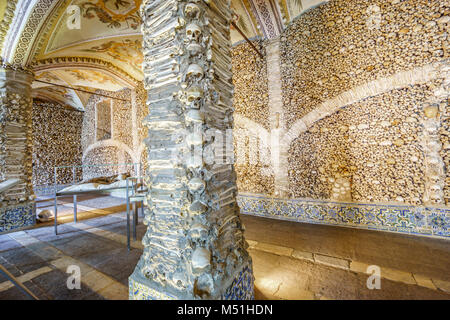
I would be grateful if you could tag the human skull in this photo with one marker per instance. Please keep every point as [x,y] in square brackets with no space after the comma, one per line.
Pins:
[194,48]
[434,178]
[436,197]
[197,208]
[434,146]
[194,72]
[194,163]
[193,32]
[192,10]
[180,279]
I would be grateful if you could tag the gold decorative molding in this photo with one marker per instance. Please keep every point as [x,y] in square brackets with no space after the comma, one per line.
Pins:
[46,32]
[15,67]
[85,62]
[6,20]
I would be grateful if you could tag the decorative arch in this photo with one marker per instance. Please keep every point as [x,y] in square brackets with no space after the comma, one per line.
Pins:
[84,63]
[112,143]
[373,88]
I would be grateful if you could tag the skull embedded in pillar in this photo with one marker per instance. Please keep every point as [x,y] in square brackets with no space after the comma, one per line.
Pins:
[192,11]
[194,72]
[193,33]
[194,96]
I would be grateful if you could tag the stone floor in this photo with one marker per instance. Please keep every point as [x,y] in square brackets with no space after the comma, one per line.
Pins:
[291,260]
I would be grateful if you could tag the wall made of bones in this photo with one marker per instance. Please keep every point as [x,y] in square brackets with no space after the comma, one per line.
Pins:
[251,103]
[56,142]
[123,143]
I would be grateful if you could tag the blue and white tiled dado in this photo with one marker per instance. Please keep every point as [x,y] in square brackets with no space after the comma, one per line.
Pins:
[16,217]
[428,221]
[242,287]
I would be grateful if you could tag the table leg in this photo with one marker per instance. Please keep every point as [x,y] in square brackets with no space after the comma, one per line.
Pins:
[56,215]
[135,219]
[128,223]
[75,211]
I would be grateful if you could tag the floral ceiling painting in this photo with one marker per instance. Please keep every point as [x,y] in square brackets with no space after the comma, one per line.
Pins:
[88,77]
[99,19]
[128,51]
[114,12]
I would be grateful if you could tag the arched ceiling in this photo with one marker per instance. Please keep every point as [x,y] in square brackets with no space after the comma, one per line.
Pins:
[105,52]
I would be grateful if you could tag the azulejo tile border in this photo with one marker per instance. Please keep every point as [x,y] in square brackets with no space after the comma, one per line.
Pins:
[138,291]
[242,287]
[16,217]
[426,221]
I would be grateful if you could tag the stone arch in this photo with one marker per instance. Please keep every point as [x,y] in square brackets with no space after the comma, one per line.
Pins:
[108,152]
[257,133]
[111,143]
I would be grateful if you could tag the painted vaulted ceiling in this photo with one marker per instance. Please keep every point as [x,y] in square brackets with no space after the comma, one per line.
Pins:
[102,50]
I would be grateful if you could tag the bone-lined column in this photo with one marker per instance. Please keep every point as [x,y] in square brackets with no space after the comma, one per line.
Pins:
[16,204]
[279,148]
[194,247]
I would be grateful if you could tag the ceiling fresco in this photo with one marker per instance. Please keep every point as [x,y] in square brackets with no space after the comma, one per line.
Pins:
[123,52]
[64,96]
[109,31]
[99,19]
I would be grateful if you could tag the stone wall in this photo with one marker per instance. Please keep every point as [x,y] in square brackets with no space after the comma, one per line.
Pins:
[56,142]
[98,159]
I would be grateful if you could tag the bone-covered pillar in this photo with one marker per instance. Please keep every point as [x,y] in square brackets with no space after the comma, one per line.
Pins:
[194,247]
[17,201]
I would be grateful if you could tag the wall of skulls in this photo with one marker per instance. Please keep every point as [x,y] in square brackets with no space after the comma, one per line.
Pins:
[251,96]
[120,118]
[56,141]
[15,133]
[251,103]
[445,153]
